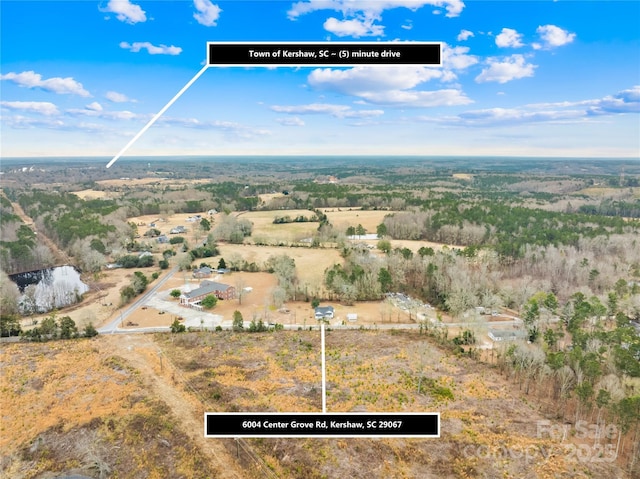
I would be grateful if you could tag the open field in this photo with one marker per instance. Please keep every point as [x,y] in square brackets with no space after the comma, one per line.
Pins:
[342,218]
[94,194]
[463,176]
[310,262]
[605,192]
[264,230]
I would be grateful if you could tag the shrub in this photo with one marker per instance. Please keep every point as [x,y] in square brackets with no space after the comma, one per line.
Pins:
[209,301]
[177,327]
[90,331]
[237,321]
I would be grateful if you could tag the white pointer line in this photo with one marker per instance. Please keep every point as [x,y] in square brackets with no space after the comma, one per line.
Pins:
[158,115]
[324,370]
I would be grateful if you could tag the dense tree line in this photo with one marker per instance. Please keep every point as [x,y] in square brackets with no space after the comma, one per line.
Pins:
[52,328]
[20,249]
[506,228]
[298,219]
[582,364]
[624,209]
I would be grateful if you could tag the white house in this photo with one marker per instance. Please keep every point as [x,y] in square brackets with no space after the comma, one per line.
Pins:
[324,312]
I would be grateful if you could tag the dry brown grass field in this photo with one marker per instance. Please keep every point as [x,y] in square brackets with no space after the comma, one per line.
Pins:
[265,230]
[310,262]
[605,192]
[93,194]
[131,407]
[342,218]
[103,408]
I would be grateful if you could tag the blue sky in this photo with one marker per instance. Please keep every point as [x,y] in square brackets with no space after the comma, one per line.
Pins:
[519,78]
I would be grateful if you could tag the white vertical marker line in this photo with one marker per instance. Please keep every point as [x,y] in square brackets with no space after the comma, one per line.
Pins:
[324,371]
[158,115]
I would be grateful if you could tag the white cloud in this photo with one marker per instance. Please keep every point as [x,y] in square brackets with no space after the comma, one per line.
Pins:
[359,15]
[630,95]
[126,11]
[313,108]
[338,111]
[508,116]
[22,122]
[95,110]
[95,106]
[230,128]
[350,7]
[560,104]
[457,58]
[464,35]
[151,49]
[580,111]
[510,68]
[207,13]
[625,101]
[509,38]
[407,26]
[31,79]
[415,99]
[362,113]
[394,86]
[552,37]
[291,121]
[116,97]
[355,28]
[359,80]
[42,107]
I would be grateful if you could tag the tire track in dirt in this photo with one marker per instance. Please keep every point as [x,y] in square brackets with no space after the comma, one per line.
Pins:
[157,371]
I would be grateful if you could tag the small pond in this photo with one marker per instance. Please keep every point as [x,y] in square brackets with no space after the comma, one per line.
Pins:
[50,288]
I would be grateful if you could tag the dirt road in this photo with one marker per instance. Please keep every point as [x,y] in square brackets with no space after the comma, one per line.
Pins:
[164,380]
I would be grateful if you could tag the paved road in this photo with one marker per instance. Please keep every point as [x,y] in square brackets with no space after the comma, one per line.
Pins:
[113,326]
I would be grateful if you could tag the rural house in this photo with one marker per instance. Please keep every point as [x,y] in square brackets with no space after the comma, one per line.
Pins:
[203,272]
[324,312]
[506,335]
[221,291]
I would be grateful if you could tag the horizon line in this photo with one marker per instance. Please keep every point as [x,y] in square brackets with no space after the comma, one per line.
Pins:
[305,155]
